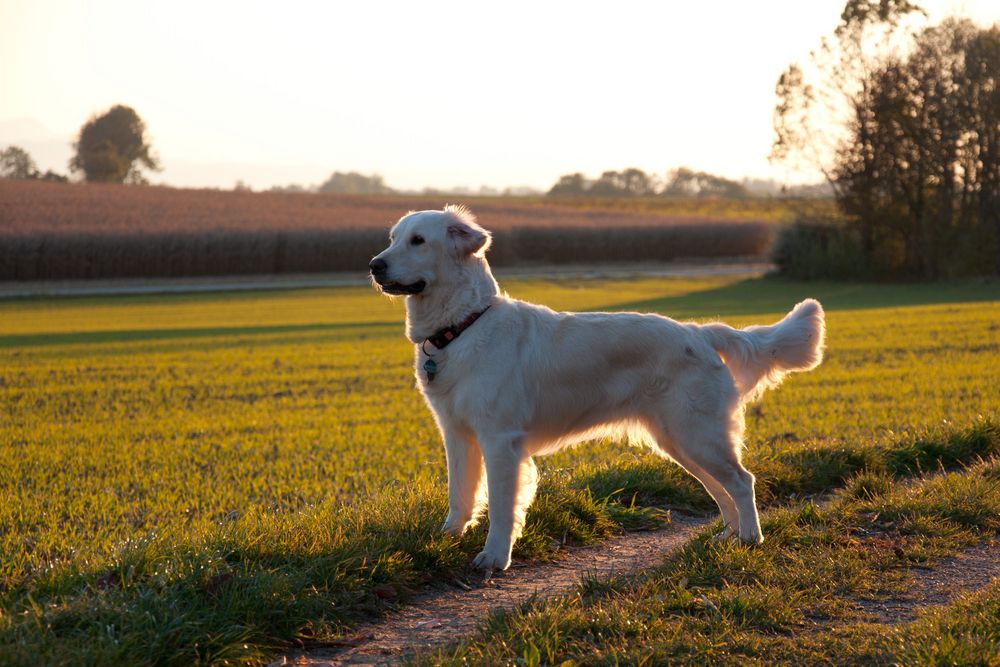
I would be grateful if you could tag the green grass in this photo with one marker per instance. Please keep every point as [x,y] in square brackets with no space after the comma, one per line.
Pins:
[234,463]
[795,600]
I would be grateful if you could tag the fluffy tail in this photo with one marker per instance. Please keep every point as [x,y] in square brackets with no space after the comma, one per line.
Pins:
[760,356]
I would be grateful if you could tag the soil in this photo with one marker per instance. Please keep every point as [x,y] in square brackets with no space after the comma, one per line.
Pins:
[971,570]
[438,618]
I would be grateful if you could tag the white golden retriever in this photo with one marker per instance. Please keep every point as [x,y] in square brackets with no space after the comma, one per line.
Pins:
[508,380]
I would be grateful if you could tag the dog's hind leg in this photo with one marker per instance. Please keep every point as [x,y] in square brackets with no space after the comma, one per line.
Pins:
[466,491]
[718,454]
[511,479]
[730,514]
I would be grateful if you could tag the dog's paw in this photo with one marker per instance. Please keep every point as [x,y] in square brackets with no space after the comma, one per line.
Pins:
[491,561]
[727,534]
[455,528]
[456,525]
[724,535]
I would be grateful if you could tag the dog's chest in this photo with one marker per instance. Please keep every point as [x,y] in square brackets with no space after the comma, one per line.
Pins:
[439,373]
[446,376]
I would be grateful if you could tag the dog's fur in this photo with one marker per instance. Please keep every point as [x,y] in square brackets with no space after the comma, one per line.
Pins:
[524,380]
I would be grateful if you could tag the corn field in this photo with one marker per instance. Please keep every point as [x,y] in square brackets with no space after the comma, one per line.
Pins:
[58,231]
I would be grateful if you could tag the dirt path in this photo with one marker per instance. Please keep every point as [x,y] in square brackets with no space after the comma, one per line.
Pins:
[440,617]
[971,570]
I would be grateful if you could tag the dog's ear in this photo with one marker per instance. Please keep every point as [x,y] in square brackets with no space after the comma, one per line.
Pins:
[465,235]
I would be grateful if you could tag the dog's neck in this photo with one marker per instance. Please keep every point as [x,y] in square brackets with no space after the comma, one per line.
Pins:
[469,289]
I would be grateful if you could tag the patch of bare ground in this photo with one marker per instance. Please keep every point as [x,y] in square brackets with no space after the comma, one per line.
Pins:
[441,617]
[971,570]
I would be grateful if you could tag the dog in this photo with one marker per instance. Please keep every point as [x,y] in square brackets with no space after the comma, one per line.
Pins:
[508,380]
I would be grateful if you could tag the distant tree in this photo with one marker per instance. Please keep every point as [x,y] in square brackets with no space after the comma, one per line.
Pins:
[353,183]
[631,182]
[50,175]
[570,185]
[608,184]
[521,191]
[291,187]
[685,182]
[16,164]
[241,186]
[113,148]
[634,182]
[638,183]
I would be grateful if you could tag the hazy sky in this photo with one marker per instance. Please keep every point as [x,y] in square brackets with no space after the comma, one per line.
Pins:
[425,93]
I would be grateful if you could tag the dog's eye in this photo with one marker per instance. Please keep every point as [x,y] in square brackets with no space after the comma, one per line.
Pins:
[416,240]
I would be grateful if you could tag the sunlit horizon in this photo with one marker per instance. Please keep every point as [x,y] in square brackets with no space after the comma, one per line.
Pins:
[454,95]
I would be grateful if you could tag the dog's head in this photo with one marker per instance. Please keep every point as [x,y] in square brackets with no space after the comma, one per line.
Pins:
[424,248]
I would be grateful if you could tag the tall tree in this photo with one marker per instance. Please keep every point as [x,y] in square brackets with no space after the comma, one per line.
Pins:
[113,148]
[926,177]
[912,119]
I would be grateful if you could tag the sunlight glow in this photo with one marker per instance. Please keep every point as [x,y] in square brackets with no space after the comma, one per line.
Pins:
[439,94]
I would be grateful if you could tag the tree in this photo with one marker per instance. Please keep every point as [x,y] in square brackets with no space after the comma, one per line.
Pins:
[608,184]
[631,182]
[685,182]
[16,164]
[915,156]
[926,174]
[570,185]
[113,148]
[353,183]
[817,102]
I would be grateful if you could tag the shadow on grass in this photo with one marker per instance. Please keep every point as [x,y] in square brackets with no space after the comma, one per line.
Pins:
[806,470]
[747,297]
[777,295]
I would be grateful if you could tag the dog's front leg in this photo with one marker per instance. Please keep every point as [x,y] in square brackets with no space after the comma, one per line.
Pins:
[507,478]
[466,495]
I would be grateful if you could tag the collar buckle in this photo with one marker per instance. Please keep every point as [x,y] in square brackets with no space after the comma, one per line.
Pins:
[441,339]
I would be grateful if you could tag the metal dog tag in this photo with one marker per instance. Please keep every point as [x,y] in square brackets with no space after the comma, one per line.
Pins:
[431,368]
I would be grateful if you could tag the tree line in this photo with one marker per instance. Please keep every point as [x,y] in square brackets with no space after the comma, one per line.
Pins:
[16,163]
[633,182]
[915,166]
[111,147]
[114,147]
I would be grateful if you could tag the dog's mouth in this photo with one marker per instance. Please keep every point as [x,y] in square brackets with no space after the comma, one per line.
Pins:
[399,289]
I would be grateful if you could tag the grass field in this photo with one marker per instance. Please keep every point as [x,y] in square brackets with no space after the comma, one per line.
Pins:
[207,477]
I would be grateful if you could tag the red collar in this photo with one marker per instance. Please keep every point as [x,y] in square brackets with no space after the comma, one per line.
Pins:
[440,339]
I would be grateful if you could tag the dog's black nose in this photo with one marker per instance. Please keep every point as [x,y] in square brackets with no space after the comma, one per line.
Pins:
[378,266]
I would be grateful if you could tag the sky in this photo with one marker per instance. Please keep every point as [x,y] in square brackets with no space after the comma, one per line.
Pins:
[438,94]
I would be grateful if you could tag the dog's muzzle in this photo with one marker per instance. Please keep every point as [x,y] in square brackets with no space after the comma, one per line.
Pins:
[401,289]
[380,270]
